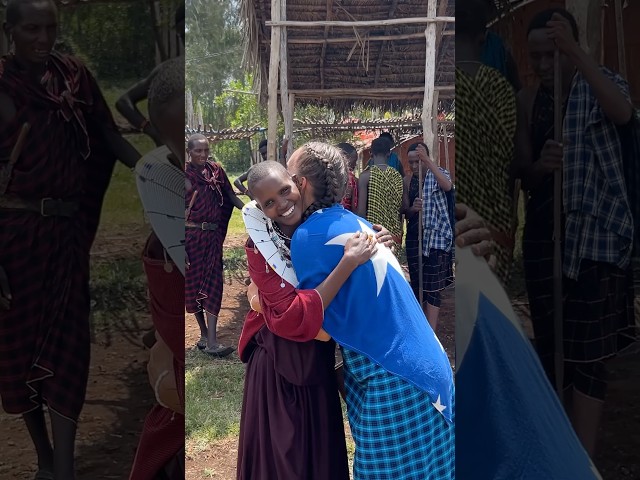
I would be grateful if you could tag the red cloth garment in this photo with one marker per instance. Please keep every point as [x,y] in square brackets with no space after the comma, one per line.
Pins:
[212,204]
[293,314]
[163,432]
[291,425]
[44,337]
[350,200]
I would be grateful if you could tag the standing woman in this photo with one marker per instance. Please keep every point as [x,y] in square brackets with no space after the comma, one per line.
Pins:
[209,202]
[160,453]
[291,425]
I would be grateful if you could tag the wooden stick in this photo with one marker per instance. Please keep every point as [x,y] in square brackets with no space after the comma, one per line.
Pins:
[272,101]
[292,106]
[557,233]
[372,38]
[435,152]
[427,125]
[367,23]
[287,114]
[333,92]
[5,171]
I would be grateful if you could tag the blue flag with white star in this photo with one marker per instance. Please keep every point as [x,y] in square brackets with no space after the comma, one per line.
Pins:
[509,421]
[375,313]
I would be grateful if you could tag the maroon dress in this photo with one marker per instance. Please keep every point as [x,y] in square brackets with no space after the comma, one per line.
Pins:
[45,337]
[291,425]
[162,440]
[203,278]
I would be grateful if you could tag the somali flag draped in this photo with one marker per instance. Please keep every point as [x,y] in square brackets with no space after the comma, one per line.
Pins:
[375,313]
[509,421]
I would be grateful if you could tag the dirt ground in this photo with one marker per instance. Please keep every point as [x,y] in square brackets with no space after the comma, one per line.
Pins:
[118,396]
[219,460]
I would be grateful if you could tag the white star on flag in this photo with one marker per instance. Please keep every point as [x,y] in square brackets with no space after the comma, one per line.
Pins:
[439,406]
[380,259]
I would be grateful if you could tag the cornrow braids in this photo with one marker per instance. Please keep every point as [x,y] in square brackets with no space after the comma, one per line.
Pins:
[325,167]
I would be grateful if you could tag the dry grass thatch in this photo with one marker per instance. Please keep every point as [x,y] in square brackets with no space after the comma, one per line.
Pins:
[214,136]
[363,62]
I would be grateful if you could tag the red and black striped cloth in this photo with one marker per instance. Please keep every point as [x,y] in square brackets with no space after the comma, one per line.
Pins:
[44,337]
[203,277]
[162,436]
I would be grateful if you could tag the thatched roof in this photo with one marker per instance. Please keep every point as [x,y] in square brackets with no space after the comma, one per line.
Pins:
[214,136]
[398,127]
[338,58]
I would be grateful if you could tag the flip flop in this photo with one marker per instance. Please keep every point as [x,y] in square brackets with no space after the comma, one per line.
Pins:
[44,475]
[202,343]
[219,352]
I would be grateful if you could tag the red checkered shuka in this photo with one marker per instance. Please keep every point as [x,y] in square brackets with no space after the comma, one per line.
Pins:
[203,278]
[44,337]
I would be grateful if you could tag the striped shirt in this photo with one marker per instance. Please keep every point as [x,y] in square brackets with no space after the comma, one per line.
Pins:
[598,224]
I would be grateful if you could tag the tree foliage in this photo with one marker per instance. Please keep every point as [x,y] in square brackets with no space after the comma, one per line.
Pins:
[115,39]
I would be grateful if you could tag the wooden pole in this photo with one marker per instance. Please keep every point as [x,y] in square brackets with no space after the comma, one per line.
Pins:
[272,100]
[622,54]
[427,123]
[557,233]
[368,23]
[288,127]
[371,38]
[446,147]
[435,152]
[284,80]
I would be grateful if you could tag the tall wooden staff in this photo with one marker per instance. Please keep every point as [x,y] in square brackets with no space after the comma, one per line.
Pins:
[420,195]
[557,230]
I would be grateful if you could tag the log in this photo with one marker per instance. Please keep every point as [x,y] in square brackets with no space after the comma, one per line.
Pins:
[371,38]
[272,100]
[358,24]
[287,114]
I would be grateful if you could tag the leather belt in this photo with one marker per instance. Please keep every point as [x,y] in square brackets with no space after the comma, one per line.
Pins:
[201,226]
[47,207]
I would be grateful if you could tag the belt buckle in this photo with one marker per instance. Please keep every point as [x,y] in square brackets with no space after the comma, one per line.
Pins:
[42,206]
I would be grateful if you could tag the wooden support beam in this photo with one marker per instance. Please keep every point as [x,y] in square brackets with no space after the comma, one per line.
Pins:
[371,38]
[287,114]
[342,92]
[324,43]
[429,78]
[359,24]
[622,53]
[435,152]
[272,100]
[288,127]
[392,10]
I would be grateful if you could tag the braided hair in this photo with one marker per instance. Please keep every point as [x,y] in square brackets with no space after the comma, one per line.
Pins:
[325,167]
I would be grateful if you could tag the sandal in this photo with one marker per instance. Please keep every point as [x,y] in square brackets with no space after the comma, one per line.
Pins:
[43,474]
[220,352]
[202,343]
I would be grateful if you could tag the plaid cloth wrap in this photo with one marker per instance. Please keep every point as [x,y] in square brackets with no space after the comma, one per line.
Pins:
[384,199]
[417,445]
[204,279]
[45,336]
[599,224]
[438,234]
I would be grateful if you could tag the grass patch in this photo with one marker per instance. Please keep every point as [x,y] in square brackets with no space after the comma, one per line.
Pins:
[213,399]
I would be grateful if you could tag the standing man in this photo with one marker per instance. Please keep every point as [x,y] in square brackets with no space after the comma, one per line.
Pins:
[437,234]
[51,193]
[350,200]
[209,202]
[127,103]
[380,191]
[598,123]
